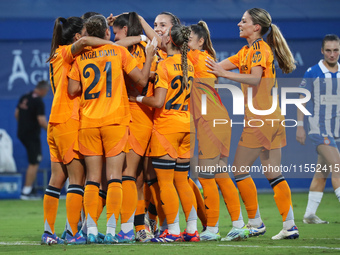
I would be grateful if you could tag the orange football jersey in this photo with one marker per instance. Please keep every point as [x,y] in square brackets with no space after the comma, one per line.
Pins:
[174,116]
[259,54]
[104,99]
[139,55]
[204,84]
[64,106]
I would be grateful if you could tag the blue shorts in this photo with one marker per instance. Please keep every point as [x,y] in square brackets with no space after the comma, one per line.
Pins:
[327,140]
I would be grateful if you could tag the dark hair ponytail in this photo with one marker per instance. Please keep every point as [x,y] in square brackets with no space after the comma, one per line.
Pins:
[174,19]
[202,31]
[88,15]
[328,38]
[64,31]
[132,22]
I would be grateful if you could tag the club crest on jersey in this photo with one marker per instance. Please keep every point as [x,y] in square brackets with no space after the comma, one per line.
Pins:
[257,57]
[303,83]
[326,141]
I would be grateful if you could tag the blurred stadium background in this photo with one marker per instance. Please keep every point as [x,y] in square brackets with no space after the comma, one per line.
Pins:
[26,29]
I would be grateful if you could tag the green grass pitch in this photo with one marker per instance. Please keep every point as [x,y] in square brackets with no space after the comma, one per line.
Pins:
[21,227]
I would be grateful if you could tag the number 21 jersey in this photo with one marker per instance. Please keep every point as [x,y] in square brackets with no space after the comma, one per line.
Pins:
[104,99]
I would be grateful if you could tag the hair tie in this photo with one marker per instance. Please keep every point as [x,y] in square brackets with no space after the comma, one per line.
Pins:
[63,20]
[171,38]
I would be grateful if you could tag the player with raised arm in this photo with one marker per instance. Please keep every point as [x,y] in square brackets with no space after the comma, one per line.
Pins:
[98,75]
[133,206]
[169,147]
[62,131]
[213,142]
[255,62]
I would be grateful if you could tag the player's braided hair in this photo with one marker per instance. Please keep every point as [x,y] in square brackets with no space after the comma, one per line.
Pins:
[96,26]
[202,31]
[179,36]
[64,31]
[275,39]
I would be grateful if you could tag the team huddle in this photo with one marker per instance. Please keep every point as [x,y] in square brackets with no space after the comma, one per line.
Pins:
[124,119]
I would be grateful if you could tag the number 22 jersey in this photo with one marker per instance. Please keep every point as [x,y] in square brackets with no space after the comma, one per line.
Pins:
[174,116]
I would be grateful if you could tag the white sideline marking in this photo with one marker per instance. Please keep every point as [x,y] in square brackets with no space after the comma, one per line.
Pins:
[220,245]
[324,238]
[20,243]
[258,246]
[280,247]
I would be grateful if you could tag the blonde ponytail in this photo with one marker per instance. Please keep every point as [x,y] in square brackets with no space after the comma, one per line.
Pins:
[275,39]
[281,49]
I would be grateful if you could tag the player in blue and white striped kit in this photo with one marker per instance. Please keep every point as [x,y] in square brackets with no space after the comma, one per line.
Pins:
[323,81]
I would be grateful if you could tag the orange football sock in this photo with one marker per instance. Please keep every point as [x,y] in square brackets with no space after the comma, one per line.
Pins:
[282,196]
[130,199]
[101,202]
[248,192]
[230,196]
[113,202]
[200,202]
[211,200]
[185,192]
[91,197]
[74,204]
[168,194]
[51,203]
[155,191]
